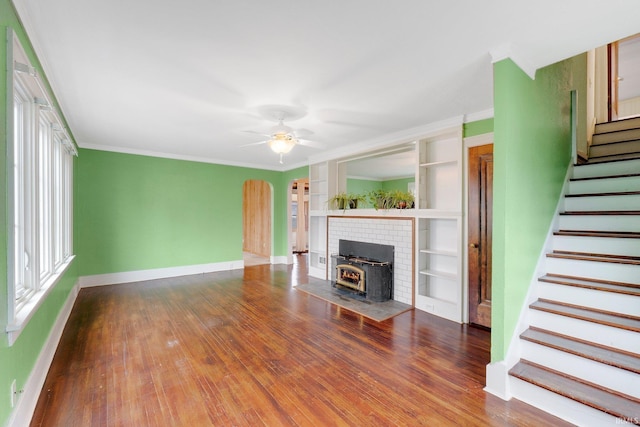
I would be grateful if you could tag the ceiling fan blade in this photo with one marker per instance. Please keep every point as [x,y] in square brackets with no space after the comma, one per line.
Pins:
[302,133]
[257,133]
[312,144]
[254,143]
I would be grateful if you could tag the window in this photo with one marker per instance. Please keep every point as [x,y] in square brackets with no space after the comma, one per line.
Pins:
[40,157]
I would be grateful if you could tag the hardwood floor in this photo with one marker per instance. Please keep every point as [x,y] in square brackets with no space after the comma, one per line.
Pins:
[244,348]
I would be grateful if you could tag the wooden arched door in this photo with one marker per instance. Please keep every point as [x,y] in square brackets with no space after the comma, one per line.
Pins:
[256,218]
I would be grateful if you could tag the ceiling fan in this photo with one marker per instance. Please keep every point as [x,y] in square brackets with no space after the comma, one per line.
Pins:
[282,138]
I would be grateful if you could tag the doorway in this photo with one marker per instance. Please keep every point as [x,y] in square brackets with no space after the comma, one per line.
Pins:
[626,71]
[480,227]
[256,222]
[299,216]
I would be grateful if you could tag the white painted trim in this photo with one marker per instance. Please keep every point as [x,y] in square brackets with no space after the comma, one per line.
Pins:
[498,380]
[158,273]
[282,259]
[514,351]
[479,115]
[392,139]
[29,394]
[20,321]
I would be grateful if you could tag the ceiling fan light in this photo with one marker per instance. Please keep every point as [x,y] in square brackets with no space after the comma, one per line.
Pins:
[281,144]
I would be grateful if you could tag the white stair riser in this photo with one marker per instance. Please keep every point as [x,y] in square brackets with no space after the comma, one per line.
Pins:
[599,222]
[560,406]
[602,245]
[607,169]
[617,125]
[591,298]
[603,203]
[605,185]
[586,369]
[614,272]
[589,331]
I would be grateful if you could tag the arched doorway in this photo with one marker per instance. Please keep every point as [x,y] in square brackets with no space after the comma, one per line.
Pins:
[256,222]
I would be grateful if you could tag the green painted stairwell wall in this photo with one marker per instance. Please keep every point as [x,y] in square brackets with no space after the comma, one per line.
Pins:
[532,150]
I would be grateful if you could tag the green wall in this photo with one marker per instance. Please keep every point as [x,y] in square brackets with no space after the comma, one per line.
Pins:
[397,184]
[17,361]
[532,150]
[138,212]
[477,128]
[364,186]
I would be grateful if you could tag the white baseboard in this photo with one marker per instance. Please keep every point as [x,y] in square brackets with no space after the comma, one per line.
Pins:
[280,260]
[158,273]
[498,380]
[28,396]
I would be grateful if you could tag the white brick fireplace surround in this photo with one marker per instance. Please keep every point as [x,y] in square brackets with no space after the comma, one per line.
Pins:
[398,232]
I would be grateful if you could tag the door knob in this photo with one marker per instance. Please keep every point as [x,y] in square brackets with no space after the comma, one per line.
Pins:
[473,245]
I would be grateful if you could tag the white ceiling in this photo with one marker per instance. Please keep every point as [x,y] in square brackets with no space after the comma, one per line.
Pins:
[183,78]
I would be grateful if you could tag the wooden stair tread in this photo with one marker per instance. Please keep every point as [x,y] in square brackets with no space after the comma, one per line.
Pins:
[616,320]
[597,397]
[600,213]
[631,136]
[626,123]
[613,159]
[589,233]
[612,193]
[599,353]
[590,178]
[583,256]
[609,158]
[601,285]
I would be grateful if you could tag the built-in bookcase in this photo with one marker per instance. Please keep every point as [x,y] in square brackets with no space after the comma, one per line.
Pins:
[322,178]
[438,280]
[439,259]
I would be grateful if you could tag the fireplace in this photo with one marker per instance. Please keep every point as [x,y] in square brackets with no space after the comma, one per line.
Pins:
[364,268]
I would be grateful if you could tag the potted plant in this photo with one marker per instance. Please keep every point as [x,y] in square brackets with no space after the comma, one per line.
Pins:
[403,199]
[344,200]
[354,199]
[380,199]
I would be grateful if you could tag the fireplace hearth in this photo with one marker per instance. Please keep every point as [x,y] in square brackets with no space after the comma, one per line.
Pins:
[364,268]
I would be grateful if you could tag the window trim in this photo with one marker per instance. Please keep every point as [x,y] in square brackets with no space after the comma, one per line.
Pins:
[39,191]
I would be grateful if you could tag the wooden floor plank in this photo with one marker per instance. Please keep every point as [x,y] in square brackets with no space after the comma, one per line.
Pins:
[244,348]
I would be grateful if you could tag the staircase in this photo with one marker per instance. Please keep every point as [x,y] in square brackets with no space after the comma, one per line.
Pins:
[616,140]
[580,356]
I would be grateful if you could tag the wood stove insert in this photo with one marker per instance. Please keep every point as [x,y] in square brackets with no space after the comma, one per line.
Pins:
[364,268]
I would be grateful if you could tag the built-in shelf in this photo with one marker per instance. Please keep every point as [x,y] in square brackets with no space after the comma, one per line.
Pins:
[439,231]
[443,274]
[436,252]
[443,162]
[438,216]
[322,177]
